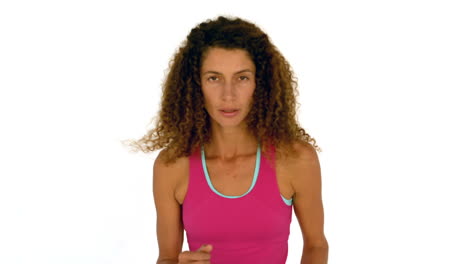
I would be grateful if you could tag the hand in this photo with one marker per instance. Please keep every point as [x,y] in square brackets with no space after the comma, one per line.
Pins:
[201,256]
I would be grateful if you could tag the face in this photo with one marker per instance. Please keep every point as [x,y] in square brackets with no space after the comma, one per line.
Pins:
[228,82]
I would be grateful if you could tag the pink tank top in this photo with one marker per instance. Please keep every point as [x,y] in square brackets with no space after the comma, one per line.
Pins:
[251,228]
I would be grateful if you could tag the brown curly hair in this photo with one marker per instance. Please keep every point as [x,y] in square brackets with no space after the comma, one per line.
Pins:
[183,124]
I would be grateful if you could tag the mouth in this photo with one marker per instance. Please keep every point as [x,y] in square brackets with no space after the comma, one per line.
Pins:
[229,110]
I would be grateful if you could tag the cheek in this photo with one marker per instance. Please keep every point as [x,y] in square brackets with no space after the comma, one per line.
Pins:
[251,93]
[204,94]
[208,100]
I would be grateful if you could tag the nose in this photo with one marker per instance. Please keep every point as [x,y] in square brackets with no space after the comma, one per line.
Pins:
[228,91]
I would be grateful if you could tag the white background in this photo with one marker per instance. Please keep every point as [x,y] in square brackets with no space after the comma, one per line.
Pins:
[382,89]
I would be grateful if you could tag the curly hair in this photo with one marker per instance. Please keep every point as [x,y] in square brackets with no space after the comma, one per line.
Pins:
[182,124]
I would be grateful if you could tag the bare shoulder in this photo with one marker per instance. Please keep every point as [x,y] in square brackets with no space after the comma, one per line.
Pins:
[307,160]
[175,174]
[177,164]
[303,167]
[305,153]
[174,171]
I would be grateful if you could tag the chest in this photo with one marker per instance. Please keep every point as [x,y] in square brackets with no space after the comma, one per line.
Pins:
[235,178]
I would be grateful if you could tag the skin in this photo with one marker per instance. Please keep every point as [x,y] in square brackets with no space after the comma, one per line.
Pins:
[228,81]
[230,160]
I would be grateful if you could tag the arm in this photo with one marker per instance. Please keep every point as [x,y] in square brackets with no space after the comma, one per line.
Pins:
[315,255]
[169,227]
[308,207]
[167,262]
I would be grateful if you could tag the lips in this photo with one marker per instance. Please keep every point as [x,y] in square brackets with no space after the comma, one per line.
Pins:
[228,110]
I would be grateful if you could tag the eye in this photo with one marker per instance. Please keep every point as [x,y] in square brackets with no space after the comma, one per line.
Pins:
[246,78]
[210,78]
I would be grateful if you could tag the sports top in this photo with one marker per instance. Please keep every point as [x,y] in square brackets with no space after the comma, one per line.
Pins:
[251,228]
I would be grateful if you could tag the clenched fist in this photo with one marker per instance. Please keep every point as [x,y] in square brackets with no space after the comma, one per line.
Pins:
[200,256]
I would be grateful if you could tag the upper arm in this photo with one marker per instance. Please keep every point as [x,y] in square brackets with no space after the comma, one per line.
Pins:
[169,227]
[308,207]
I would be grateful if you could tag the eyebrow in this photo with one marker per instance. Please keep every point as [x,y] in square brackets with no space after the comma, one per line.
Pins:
[215,72]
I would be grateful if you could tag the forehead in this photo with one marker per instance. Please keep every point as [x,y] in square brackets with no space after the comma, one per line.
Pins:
[219,59]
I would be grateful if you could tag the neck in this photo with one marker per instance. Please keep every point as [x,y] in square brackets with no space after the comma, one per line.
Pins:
[229,143]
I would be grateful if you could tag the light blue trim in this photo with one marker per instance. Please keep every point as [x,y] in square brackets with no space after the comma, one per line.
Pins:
[207,176]
[257,168]
[286,201]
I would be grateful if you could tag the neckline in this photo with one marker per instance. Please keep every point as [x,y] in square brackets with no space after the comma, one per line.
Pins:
[254,180]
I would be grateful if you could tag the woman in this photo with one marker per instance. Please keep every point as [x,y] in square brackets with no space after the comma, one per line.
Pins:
[234,159]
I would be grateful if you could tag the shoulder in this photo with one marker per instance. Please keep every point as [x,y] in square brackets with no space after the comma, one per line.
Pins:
[304,167]
[306,159]
[162,161]
[305,153]
[172,172]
